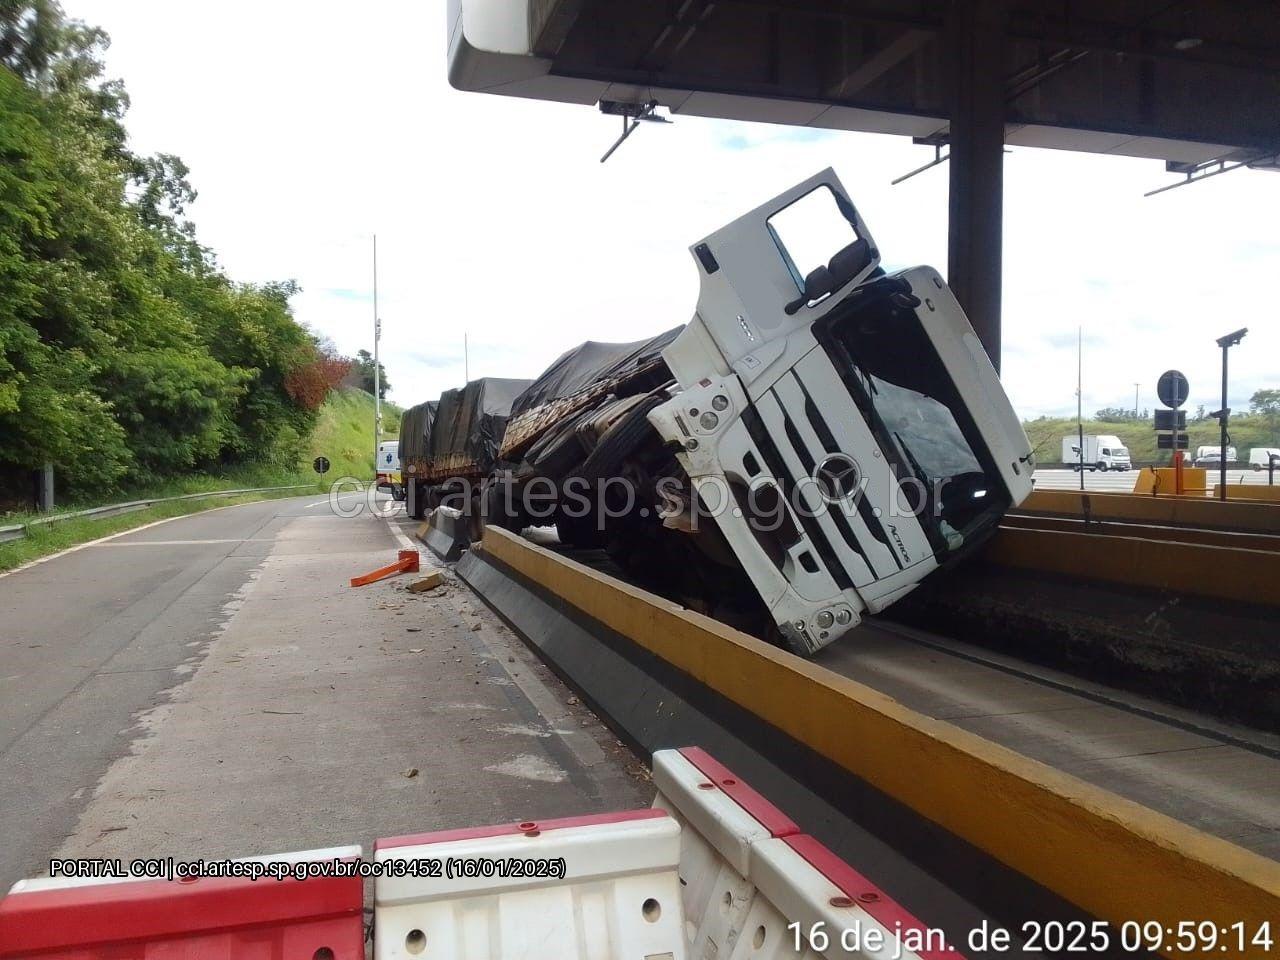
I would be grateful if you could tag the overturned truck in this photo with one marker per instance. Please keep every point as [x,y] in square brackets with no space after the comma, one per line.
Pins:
[820,437]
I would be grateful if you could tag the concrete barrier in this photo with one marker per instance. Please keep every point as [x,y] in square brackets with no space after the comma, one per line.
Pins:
[1110,857]
[448,533]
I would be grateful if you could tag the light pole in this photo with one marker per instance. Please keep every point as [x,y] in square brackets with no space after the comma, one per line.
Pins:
[1224,414]
[377,384]
[1135,400]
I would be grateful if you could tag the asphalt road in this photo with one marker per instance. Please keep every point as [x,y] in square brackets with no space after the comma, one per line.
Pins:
[211,686]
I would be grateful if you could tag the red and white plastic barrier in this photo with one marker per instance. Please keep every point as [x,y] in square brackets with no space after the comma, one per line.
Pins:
[207,918]
[712,870]
[576,889]
[756,887]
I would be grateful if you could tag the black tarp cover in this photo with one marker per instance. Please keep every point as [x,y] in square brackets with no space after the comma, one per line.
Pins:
[589,363]
[470,423]
[416,424]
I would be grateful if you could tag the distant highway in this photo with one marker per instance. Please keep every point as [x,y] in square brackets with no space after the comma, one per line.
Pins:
[1122,482]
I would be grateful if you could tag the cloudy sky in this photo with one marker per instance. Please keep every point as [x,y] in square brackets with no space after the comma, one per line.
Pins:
[308,130]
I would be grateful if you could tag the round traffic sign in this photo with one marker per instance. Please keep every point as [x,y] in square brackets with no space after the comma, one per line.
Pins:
[321,464]
[1172,388]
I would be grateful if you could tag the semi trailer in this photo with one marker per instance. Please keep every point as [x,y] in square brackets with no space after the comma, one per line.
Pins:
[814,442]
[449,446]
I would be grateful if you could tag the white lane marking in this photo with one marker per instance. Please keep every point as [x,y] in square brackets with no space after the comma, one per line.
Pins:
[184,543]
[125,533]
[405,542]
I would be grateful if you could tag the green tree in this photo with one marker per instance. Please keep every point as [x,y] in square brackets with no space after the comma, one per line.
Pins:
[125,353]
[1265,403]
[362,372]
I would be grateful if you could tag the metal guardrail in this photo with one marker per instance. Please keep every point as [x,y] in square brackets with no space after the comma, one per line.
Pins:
[17,531]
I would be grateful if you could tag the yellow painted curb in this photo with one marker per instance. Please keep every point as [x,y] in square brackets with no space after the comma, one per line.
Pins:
[1242,491]
[1115,859]
[1235,539]
[1195,511]
[1197,569]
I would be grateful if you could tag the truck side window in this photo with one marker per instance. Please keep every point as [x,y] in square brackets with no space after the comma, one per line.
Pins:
[810,231]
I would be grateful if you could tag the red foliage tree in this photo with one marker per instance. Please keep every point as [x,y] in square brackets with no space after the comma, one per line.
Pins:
[309,382]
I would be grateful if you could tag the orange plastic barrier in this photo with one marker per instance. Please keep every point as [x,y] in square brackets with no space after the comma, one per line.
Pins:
[408,563]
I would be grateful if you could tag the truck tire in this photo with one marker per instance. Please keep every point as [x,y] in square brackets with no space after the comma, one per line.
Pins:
[497,496]
[1102,466]
[620,439]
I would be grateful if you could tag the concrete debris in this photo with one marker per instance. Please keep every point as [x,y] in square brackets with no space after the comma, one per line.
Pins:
[429,582]
[410,773]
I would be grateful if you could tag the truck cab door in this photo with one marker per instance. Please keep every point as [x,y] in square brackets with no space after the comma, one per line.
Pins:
[769,273]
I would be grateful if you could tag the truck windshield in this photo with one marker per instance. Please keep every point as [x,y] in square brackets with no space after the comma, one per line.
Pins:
[923,427]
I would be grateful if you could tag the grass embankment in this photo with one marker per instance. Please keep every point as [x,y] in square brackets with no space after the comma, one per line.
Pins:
[343,434]
[1140,439]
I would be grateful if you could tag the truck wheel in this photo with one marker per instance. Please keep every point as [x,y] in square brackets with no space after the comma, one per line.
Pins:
[579,531]
[620,440]
[501,507]
[1102,466]
[398,492]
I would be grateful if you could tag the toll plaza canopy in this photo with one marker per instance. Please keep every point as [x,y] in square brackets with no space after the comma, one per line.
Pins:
[1184,81]
[1195,83]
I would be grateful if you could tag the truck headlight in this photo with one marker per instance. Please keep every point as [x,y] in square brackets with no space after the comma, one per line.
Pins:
[720,402]
[824,619]
[709,421]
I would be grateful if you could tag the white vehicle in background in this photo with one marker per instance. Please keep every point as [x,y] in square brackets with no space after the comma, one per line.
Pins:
[1101,452]
[1211,456]
[1260,457]
[387,471]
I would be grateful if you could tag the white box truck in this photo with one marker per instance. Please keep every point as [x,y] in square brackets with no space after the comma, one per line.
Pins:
[1101,452]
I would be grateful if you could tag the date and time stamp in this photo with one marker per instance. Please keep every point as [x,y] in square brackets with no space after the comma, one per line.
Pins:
[1204,938]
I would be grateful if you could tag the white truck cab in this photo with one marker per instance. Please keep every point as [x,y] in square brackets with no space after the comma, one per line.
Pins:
[844,426]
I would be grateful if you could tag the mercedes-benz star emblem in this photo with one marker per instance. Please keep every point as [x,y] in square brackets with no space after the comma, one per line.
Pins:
[837,477]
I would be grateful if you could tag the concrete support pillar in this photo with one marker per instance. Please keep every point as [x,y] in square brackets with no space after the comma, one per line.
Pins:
[976,38]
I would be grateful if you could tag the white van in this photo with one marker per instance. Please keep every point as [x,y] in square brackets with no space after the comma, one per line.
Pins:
[1259,457]
[387,471]
[1101,452]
